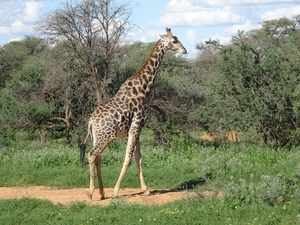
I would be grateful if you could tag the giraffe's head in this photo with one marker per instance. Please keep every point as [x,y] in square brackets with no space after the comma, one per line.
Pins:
[172,43]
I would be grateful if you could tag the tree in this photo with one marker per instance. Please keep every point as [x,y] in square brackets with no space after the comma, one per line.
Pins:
[69,89]
[45,90]
[24,104]
[93,29]
[256,85]
[14,54]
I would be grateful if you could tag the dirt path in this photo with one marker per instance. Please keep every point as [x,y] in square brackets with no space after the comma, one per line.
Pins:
[157,197]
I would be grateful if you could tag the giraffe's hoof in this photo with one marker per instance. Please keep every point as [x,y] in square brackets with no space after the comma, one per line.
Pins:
[115,196]
[103,197]
[147,193]
[89,195]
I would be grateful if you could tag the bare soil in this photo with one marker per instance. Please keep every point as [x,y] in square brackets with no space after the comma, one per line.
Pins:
[67,196]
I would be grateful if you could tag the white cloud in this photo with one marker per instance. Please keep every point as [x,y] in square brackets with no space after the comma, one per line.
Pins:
[15,39]
[247,26]
[281,12]
[149,35]
[220,12]
[3,30]
[236,2]
[16,27]
[32,11]
[191,36]
[19,27]
[221,38]
[185,6]
[19,16]
[202,18]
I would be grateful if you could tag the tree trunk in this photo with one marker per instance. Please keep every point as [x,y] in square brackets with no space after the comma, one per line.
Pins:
[68,114]
[106,66]
[42,134]
[97,87]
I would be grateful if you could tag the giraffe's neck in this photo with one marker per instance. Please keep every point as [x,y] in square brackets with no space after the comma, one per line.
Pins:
[152,64]
[139,85]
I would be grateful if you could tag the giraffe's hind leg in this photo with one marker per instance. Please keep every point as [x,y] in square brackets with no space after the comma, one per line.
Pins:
[92,161]
[98,167]
[138,160]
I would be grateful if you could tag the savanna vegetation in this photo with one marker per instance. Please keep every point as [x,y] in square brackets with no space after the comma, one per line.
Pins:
[260,185]
[49,87]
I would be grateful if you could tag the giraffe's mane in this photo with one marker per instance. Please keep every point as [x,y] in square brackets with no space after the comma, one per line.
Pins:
[145,64]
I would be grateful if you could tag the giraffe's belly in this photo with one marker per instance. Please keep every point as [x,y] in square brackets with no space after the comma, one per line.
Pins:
[121,134]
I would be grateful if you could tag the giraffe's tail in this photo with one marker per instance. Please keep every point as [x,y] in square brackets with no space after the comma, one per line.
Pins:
[82,146]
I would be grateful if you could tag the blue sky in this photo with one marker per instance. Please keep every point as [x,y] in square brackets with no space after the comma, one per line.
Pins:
[192,21]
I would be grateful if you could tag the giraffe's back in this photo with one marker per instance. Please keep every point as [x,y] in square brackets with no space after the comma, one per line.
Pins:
[111,121]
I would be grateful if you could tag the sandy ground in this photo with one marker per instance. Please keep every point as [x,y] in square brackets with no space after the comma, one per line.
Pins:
[67,196]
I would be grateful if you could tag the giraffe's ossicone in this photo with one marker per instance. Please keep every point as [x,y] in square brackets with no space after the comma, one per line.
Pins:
[124,115]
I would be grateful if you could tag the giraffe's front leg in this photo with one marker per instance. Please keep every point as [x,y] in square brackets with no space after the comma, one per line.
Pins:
[92,160]
[126,164]
[138,160]
[132,140]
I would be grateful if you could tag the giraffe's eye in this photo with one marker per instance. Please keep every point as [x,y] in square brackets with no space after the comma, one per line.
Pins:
[174,41]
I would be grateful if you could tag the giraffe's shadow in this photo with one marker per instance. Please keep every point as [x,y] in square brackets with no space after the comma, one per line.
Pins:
[185,186]
[151,193]
[193,183]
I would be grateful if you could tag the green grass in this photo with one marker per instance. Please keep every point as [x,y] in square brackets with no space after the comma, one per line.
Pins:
[261,186]
[198,211]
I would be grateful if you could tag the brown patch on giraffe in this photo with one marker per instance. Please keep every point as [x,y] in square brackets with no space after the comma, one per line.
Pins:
[134,91]
[142,91]
[148,69]
[152,62]
[145,77]
[131,195]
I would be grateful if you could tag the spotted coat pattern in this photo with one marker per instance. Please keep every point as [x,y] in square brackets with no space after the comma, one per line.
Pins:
[124,115]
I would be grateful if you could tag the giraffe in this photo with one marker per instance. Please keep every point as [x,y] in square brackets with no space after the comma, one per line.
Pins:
[124,115]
